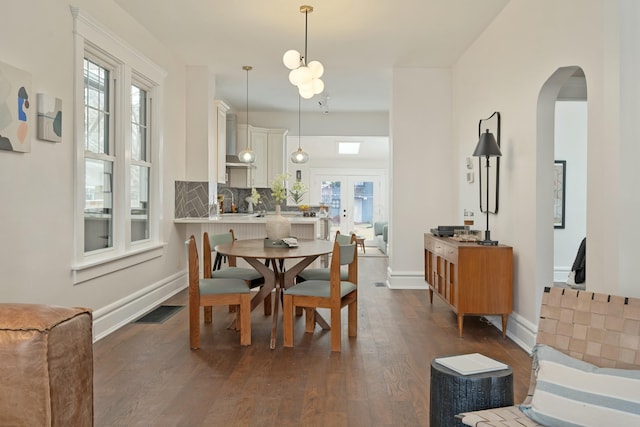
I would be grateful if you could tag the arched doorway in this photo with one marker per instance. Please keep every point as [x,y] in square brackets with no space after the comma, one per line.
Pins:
[545,156]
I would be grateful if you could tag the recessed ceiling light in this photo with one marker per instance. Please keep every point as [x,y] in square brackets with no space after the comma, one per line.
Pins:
[348,147]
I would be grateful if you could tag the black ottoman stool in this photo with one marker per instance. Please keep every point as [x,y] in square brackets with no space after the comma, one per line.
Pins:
[453,393]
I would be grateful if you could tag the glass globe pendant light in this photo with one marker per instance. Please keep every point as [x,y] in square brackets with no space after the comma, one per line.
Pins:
[247,155]
[305,75]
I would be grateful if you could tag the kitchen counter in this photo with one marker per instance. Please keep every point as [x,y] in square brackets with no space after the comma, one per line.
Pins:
[251,226]
[244,218]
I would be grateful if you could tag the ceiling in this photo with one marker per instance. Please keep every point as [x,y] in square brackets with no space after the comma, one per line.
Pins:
[359,42]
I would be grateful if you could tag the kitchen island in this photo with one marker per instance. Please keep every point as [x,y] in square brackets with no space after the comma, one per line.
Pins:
[250,226]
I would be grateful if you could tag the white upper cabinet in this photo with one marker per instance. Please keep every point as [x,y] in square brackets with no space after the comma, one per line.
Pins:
[221,140]
[268,145]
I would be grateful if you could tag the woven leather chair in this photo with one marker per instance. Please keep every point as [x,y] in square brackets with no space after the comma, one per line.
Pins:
[333,294]
[209,292]
[599,329]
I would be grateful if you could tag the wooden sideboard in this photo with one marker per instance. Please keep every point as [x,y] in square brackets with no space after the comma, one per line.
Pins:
[472,279]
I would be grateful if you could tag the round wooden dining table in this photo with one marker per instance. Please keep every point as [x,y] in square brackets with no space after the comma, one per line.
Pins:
[254,252]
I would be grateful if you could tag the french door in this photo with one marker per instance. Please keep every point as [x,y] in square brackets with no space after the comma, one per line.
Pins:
[353,202]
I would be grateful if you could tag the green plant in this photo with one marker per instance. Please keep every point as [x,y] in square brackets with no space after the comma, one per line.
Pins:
[255,196]
[278,188]
[297,191]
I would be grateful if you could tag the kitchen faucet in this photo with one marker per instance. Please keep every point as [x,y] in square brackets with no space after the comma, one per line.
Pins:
[232,207]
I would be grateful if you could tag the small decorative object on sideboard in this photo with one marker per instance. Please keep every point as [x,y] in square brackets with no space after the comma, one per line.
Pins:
[466,235]
[468,217]
[447,230]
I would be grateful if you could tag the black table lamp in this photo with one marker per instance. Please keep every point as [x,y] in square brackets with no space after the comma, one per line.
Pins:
[487,147]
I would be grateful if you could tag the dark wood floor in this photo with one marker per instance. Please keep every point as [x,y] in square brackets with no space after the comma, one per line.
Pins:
[145,374]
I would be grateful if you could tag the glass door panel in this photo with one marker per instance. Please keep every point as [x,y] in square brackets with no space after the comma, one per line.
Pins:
[351,203]
[362,198]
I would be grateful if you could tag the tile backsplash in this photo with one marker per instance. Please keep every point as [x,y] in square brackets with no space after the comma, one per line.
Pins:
[192,199]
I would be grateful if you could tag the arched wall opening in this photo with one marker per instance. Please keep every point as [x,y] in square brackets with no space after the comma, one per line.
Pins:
[545,156]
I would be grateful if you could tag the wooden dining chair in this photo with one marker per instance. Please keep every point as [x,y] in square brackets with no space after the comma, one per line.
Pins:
[207,292]
[323,273]
[232,271]
[333,294]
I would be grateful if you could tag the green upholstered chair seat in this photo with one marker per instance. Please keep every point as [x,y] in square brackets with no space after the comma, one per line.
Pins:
[223,286]
[319,288]
[236,273]
[321,274]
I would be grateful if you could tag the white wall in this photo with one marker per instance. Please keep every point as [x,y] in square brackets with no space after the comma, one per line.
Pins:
[571,146]
[504,70]
[627,155]
[318,124]
[423,182]
[36,189]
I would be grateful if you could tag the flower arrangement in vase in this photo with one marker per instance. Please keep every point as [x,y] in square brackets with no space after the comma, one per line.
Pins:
[279,190]
[253,199]
[278,227]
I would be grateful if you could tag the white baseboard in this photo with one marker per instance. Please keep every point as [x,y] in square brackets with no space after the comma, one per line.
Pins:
[117,314]
[519,330]
[560,274]
[406,280]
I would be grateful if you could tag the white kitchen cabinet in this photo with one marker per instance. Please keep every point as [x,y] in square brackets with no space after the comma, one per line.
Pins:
[259,145]
[276,153]
[221,140]
[268,145]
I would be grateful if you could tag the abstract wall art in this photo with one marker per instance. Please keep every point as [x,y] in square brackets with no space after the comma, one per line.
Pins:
[49,118]
[16,118]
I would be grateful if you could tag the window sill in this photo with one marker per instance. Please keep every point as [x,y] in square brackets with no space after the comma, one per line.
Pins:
[102,265]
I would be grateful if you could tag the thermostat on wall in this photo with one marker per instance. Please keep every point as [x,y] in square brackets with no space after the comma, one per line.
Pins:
[470,177]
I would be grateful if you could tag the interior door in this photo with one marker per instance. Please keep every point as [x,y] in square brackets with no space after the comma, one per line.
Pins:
[353,202]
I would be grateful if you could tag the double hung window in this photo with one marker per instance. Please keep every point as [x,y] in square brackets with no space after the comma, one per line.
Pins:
[117,144]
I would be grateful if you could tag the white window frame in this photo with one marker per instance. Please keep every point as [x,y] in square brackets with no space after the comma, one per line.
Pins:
[142,83]
[129,66]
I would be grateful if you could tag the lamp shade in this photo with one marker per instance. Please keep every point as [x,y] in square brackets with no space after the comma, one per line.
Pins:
[247,156]
[299,156]
[487,146]
[291,59]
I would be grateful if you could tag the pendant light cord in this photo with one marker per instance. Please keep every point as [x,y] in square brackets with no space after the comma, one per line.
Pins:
[247,105]
[247,132]
[306,18]
[299,126]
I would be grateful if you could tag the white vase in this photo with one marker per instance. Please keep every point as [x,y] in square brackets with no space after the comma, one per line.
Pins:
[278,227]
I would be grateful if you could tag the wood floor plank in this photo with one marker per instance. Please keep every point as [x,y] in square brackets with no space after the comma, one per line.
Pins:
[145,374]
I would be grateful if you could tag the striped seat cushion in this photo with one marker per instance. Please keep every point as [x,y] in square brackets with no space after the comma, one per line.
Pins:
[571,392]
